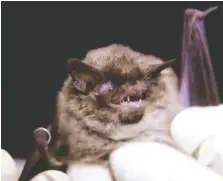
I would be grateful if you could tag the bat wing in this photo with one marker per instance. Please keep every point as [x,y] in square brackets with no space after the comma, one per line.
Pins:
[35,163]
[198,84]
[30,163]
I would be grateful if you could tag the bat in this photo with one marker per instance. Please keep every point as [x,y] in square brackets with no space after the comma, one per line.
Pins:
[116,95]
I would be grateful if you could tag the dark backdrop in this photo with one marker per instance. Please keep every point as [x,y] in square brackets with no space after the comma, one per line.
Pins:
[38,38]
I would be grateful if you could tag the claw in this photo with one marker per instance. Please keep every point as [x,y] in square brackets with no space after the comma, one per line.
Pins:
[209,10]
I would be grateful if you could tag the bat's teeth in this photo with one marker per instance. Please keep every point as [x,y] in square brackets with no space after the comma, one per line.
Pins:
[141,96]
[140,100]
[128,99]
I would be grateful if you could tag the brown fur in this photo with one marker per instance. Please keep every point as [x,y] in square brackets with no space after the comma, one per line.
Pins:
[90,130]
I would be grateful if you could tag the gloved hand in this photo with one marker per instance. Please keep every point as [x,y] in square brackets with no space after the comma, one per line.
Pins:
[199,132]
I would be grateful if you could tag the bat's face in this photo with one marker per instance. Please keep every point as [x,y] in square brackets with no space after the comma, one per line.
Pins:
[126,95]
[122,86]
[121,93]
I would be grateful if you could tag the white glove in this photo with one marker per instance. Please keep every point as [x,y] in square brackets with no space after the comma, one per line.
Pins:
[149,161]
[199,132]
[51,175]
[9,170]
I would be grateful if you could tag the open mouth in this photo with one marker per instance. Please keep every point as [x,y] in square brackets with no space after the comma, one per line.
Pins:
[133,100]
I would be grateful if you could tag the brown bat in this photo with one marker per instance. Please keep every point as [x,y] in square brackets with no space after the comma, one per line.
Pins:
[116,95]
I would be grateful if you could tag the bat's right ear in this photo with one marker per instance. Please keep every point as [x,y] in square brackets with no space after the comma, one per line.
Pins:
[83,75]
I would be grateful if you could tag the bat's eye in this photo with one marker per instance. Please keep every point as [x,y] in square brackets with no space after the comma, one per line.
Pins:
[106,87]
[153,83]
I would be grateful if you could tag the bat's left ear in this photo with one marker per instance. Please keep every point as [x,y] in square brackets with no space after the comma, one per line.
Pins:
[159,67]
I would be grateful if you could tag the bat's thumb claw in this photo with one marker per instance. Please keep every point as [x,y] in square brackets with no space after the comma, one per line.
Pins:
[209,10]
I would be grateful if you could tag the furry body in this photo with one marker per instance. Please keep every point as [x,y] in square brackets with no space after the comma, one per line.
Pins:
[90,131]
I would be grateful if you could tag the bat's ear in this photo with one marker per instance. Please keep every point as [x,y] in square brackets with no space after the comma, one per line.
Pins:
[159,67]
[83,75]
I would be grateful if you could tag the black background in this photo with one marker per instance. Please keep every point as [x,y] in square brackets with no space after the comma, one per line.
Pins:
[38,38]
